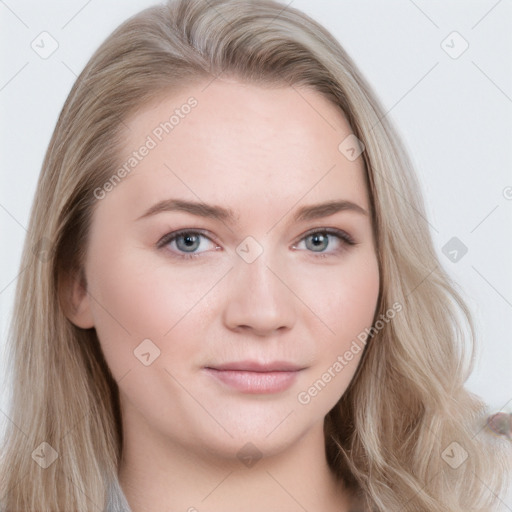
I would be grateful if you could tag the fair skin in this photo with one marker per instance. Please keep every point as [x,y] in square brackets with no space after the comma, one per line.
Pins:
[263,153]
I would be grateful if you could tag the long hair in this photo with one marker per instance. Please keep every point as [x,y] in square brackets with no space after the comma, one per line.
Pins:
[406,435]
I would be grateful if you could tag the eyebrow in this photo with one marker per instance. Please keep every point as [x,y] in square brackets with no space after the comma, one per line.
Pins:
[304,213]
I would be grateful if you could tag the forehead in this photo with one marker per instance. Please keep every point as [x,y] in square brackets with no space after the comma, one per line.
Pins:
[243,144]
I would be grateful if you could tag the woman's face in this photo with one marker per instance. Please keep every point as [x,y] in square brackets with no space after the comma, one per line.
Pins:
[230,332]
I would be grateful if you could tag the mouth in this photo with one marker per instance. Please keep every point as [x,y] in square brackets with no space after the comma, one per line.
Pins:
[253,377]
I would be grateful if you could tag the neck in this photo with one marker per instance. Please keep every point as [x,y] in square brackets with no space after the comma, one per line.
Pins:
[159,474]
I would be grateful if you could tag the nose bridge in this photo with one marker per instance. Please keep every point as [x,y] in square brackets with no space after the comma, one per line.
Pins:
[260,280]
[258,298]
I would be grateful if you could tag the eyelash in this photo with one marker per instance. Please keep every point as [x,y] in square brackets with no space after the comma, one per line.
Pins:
[344,238]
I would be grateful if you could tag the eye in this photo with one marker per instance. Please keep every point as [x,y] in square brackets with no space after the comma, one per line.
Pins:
[184,240]
[319,239]
[185,243]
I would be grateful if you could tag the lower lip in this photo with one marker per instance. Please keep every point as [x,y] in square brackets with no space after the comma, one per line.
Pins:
[255,382]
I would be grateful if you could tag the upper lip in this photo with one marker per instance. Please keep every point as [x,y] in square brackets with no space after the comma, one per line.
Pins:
[256,366]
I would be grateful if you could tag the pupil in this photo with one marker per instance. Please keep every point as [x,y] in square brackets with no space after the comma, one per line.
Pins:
[318,240]
[188,240]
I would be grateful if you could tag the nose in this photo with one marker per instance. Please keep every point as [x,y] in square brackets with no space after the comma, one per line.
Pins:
[259,299]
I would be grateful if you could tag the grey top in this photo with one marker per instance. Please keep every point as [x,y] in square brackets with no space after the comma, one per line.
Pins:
[116,500]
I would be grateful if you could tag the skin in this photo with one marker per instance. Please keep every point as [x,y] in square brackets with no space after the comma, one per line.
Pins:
[263,153]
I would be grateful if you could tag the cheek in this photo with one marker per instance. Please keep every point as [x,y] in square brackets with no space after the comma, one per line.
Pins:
[136,293]
[136,298]
[344,299]
[349,307]
[346,304]
[127,307]
[357,300]
[125,301]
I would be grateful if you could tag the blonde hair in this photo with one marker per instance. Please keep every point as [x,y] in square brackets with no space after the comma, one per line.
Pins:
[388,435]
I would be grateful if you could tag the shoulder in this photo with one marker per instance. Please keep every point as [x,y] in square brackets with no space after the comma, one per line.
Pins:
[116,500]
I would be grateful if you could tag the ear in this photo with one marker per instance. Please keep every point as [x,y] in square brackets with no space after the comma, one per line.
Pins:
[76,300]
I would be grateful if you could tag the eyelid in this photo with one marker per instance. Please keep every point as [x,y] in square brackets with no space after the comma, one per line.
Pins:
[173,234]
[330,231]
[167,238]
